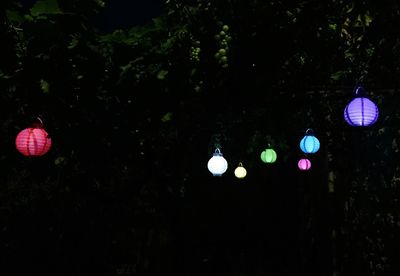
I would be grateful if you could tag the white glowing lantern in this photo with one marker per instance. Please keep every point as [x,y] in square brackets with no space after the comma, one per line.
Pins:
[217,165]
[240,172]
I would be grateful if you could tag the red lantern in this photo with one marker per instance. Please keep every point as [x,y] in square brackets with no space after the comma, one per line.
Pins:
[33,141]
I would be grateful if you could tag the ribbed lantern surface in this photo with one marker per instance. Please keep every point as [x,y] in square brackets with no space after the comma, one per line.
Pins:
[304,164]
[361,111]
[309,143]
[33,142]
[268,156]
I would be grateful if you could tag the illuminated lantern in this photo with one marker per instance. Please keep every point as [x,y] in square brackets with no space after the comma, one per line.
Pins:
[268,156]
[310,143]
[240,172]
[33,141]
[304,164]
[361,111]
[217,165]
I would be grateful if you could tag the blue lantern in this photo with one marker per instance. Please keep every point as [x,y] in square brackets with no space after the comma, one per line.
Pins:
[310,143]
[361,111]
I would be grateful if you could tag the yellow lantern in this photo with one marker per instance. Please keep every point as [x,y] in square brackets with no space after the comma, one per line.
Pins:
[240,171]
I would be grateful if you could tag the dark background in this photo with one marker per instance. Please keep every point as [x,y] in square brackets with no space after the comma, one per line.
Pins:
[134,118]
[122,14]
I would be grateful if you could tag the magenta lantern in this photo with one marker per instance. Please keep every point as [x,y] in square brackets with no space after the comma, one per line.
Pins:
[33,141]
[304,164]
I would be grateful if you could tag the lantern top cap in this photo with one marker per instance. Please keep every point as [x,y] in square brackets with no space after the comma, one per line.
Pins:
[359,91]
[240,164]
[38,123]
[217,152]
[309,132]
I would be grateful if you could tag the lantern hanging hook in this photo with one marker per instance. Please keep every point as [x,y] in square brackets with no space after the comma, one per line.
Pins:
[359,90]
[40,122]
[356,90]
[217,150]
[240,164]
[309,131]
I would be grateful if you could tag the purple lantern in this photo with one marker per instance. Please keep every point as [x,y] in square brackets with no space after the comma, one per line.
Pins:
[361,111]
[304,164]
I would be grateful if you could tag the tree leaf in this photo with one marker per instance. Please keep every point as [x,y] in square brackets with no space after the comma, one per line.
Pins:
[74,42]
[45,7]
[161,74]
[45,86]
[14,16]
[337,75]
[167,117]
[59,161]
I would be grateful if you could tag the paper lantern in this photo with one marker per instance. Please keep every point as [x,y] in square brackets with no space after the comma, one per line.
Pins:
[361,111]
[310,143]
[33,141]
[304,164]
[217,165]
[268,156]
[240,171]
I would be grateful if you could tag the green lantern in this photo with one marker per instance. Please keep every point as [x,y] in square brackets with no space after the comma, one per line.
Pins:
[268,156]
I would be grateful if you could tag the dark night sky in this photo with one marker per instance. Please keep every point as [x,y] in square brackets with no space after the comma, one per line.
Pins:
[119,14]
[127,13]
